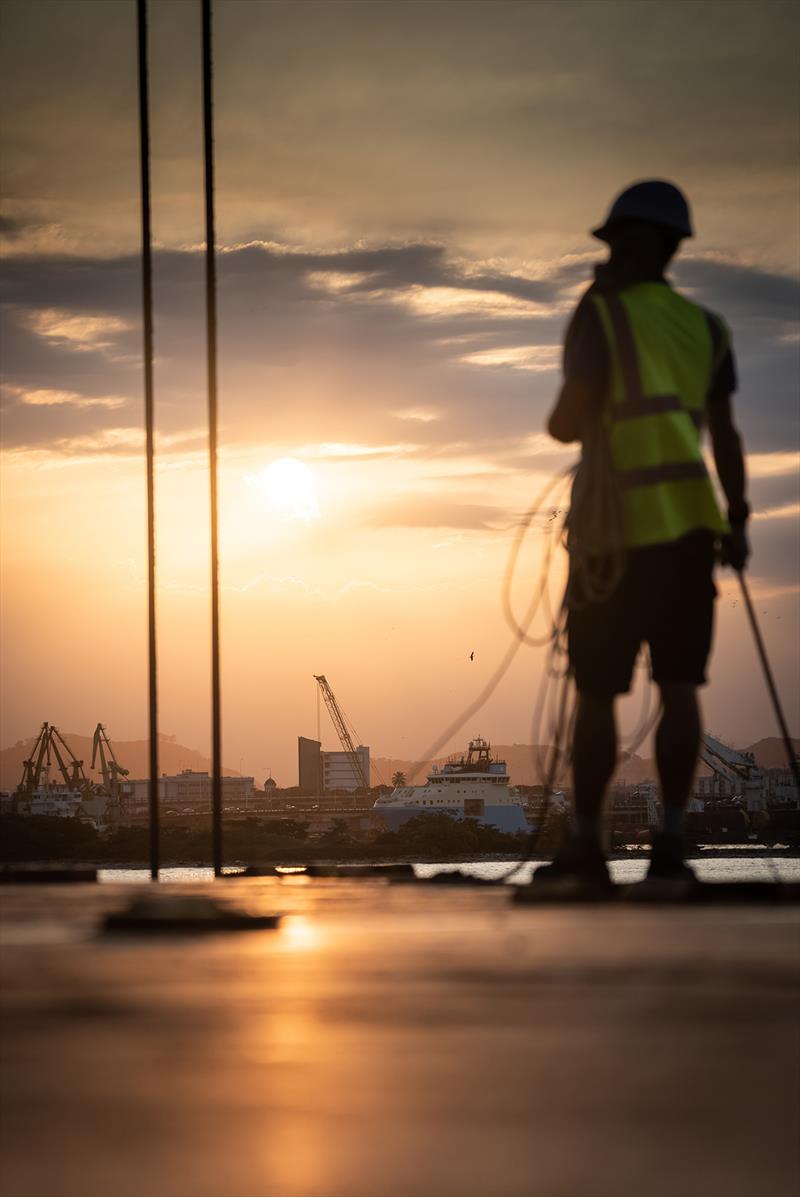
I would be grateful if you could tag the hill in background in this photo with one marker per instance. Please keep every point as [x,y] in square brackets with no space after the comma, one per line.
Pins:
[771,753]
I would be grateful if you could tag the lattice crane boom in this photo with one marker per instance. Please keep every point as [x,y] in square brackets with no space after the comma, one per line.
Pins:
[40,758]
[741,763]
[50,743]
[110,768]
[339,723]
[71,771]
[739,768]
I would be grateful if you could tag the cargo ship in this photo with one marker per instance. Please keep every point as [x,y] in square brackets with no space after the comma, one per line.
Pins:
[471,786]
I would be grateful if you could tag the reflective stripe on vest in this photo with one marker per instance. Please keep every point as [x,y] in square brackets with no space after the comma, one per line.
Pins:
[662,357]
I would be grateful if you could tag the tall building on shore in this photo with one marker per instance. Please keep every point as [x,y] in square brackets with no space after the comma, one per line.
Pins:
[323,772]
[309,765]
[338,772]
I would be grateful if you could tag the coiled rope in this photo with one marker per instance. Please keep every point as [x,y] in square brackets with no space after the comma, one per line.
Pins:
[591,531]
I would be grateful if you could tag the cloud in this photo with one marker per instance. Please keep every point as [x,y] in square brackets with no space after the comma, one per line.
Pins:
[761,307]
[348,341]
[46,397]
[77,331]
[740,289]
[541,359]
[785,511]
[464,300]
[343,359]
[336,281]
[424,415]
[773,465]
[483,121]
[11,228]
[333,451]
[116,443]
[111,442]
[429,511]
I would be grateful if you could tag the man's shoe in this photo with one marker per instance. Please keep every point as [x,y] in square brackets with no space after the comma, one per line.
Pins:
[669,878]
[667,863]
[578,870]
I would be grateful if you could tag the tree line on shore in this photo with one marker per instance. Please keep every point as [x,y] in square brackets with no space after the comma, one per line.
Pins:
[257,840]
[253,841]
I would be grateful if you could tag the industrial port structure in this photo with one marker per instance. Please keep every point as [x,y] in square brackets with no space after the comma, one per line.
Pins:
[738,799]
[323,772]
[40,792]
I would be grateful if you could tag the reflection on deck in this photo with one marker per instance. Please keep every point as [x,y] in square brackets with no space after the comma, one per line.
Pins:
[399,1041]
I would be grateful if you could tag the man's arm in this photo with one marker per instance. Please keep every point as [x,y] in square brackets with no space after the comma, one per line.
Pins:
[585,373]
[729,460]
[568,418]
[728,457]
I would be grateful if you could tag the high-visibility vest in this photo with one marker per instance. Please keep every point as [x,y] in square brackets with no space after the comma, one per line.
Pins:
[662,356]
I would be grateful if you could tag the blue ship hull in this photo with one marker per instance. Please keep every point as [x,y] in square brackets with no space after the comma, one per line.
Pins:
[510,819]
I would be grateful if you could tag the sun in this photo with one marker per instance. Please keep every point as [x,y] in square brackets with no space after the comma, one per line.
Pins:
[287,489]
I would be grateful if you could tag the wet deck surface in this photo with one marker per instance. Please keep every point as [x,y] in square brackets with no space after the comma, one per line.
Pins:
[393,1041]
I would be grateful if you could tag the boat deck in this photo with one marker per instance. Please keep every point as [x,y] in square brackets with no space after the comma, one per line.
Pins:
[399,1041]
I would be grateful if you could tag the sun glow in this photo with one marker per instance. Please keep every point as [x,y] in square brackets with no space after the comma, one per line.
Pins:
[287,488]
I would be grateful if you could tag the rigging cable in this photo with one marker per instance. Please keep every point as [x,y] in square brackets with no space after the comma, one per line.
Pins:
[592,532]
[211,356]
[520,631]
[147,322]
[791,755]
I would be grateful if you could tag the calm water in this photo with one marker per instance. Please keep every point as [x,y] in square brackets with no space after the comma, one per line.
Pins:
[730,868]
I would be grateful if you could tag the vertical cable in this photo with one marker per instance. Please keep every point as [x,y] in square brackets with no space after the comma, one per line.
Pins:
[211,347]
[791,755]
[318,770]
[147,320]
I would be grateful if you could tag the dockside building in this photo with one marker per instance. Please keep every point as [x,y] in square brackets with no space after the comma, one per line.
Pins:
[187,790]
[323,772]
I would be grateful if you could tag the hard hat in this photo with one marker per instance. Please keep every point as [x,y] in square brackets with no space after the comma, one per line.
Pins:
[653,201]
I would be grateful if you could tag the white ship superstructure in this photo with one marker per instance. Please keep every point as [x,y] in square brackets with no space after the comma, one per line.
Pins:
[474,786]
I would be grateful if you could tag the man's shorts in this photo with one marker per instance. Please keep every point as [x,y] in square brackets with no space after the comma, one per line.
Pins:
[666,598]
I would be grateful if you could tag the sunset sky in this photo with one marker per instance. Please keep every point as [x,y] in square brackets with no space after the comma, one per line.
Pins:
[404,193]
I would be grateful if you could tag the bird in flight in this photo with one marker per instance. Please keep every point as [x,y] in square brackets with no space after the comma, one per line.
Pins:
[472,656]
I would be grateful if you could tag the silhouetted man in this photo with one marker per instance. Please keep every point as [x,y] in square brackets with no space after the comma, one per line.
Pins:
[645,369]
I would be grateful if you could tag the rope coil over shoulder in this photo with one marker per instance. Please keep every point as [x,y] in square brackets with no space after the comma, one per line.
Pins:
[594,526]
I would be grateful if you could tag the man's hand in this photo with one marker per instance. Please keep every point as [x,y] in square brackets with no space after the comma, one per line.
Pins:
[735,548]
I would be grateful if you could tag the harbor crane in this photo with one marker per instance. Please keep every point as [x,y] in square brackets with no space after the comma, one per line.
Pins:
[71,769]
[36,769]
[739,768]
[97,804]
[38,763]
[109,767]
[345,739]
